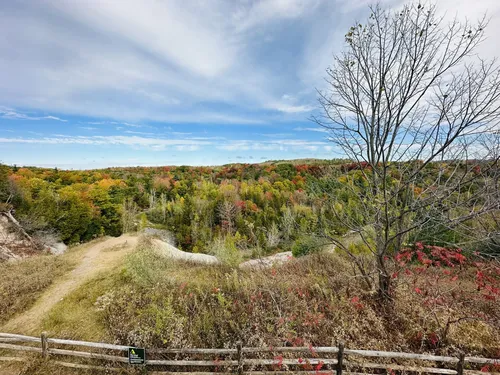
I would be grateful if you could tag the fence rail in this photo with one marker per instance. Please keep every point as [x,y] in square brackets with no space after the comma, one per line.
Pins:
[247,360]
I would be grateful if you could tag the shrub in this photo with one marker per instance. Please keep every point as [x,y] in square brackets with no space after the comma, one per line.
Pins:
[226,251]
[308,245]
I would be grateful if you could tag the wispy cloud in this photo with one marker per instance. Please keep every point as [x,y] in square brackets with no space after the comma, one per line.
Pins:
[132,141]
[133,125]
[187,147]
[142,133]
[275,135]
[274,145]
[294,108]
[186,144]
[11,114]
[318,130]
[267,11]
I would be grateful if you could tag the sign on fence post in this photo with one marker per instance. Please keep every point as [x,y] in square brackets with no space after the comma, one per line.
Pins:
[136,356]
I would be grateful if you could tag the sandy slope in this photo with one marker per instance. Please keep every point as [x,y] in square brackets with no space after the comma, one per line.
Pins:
[99,257]
[264,262]
[173,252]
[269,261]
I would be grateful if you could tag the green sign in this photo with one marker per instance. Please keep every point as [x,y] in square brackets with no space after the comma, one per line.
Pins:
[136,356]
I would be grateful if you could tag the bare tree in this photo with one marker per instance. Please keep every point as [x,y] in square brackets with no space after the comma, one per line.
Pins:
[273,236]
[129,213]
[152,198]
[163,206]
[227,211]
[408,96]
[288,222]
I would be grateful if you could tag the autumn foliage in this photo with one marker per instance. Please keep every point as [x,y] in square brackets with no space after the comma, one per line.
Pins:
[452,286]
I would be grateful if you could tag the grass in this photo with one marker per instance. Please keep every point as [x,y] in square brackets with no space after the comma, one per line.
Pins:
[312,300]
[37,365]
[76,316]
[22,282]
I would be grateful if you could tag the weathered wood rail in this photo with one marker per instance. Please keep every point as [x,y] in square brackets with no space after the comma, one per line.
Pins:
[243,360]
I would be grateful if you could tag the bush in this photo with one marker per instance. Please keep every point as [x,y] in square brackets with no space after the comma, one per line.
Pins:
[308,245]
[226,251]
[317,300]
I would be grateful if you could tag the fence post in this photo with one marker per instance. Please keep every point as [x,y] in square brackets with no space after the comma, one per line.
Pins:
[340,358]
[45,345]
[240,357]
[461,363]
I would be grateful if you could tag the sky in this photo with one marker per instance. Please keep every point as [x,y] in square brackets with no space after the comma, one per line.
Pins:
[99,83]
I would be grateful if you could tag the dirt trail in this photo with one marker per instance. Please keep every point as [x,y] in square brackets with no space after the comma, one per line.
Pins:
[97,258]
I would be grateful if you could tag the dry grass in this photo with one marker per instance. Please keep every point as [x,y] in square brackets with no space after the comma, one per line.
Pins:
[37,365]
[76,316]
[22,282]
[313,300]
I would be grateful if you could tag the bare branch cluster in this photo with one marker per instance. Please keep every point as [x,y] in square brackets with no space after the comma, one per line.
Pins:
[418,112]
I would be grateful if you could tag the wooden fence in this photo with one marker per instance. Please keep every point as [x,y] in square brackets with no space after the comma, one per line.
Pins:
[243,360]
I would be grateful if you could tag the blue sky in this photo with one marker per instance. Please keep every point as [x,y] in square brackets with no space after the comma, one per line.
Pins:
[90,84]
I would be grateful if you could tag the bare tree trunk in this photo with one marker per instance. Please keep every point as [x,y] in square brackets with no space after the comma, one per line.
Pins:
[7,254]
[19,227]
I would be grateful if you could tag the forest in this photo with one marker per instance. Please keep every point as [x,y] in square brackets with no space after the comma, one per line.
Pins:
[444,285]
[249,209]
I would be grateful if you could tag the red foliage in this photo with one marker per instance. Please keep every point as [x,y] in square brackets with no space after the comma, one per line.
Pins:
[319,366]
[355,301]
[355,166]
[436,274]
[433,338]
[495,367]
[279,362]
[241,204]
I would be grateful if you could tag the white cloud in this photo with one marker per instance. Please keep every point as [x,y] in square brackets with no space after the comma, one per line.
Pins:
[133,125]
[273,145]
[318,129]
[183,35]
[181,62]
[53,118]
[187,147]
[146,61]
[250,15]
[185,144]
[275,135]
[12,114]
[141,133]
[132,141]
[294,108]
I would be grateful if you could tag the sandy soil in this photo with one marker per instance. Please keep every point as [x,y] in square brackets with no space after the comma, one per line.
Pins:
[172,252]
[269,261]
